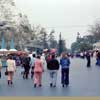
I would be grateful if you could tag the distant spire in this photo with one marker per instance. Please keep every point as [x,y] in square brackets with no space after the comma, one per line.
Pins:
[60,36]
[78,34]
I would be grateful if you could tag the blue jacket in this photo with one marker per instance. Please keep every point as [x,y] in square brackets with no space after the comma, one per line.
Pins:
[65,62]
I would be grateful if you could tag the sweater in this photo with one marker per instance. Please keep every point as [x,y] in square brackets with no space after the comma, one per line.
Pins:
[64,62]
[53,64]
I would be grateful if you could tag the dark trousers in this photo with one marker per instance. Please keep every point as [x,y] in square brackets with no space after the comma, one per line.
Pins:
[32,74]
[0,74]
[65,76]
[98,62]
[26,73]
[88,63]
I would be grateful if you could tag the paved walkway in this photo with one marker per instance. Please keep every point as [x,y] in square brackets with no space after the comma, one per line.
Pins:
[83,82]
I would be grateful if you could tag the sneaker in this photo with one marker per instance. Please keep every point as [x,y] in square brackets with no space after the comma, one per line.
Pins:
[40,85]
[54,86]
[23,77]
[62,85]
[50,84]
[11,82]
[34,85]
[8,82]
[67,84]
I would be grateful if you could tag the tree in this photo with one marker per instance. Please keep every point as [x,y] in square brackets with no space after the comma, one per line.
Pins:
[15,23]
[42,38]
[95,30]
[25,30]
[83,44]
[75,47]
[91,39]
[7,18]
[51,40]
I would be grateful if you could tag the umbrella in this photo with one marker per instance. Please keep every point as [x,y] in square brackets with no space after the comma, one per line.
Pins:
[12,50]
[3,50]
[45,50]
[53,50]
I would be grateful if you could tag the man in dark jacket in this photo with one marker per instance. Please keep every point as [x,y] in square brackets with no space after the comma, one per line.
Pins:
[53,67]
[26,65]
[88,57]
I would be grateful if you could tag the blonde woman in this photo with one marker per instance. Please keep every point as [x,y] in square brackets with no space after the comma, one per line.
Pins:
[11,68]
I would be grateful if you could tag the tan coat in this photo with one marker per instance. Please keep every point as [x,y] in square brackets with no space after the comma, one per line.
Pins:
[11,66]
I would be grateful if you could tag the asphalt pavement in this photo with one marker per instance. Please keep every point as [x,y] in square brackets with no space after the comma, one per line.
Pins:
[83,82]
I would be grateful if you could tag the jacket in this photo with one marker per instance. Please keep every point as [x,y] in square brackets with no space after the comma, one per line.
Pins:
[26,63]
[38,66]
[44,62]
[53,64]
[11,66]
[65,62]
[32,61]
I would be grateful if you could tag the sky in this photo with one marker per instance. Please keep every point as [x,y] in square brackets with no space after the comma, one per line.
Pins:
[65,16]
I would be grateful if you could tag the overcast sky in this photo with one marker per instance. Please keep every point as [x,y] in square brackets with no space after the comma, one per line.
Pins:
[66,16]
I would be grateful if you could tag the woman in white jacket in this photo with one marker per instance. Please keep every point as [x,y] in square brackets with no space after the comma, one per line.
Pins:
[11,68]
[44,62]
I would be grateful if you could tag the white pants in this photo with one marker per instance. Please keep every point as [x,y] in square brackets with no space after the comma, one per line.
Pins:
[53,76]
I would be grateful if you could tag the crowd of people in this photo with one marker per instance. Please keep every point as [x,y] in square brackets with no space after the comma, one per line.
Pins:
[88,55]
[37,64]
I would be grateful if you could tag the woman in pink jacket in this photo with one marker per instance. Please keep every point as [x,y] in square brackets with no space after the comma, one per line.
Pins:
[38,69]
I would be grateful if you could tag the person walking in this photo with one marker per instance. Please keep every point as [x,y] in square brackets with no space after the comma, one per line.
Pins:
[53,67]
[88,57]
[33,58]
[11,69]
[98,58]
[38,70]
[26,65]
[65,63]
[44,62]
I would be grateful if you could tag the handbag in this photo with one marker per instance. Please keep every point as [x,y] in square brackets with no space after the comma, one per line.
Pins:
[6,72]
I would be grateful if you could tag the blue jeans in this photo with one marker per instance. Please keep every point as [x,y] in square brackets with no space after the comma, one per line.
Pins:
[65,76]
